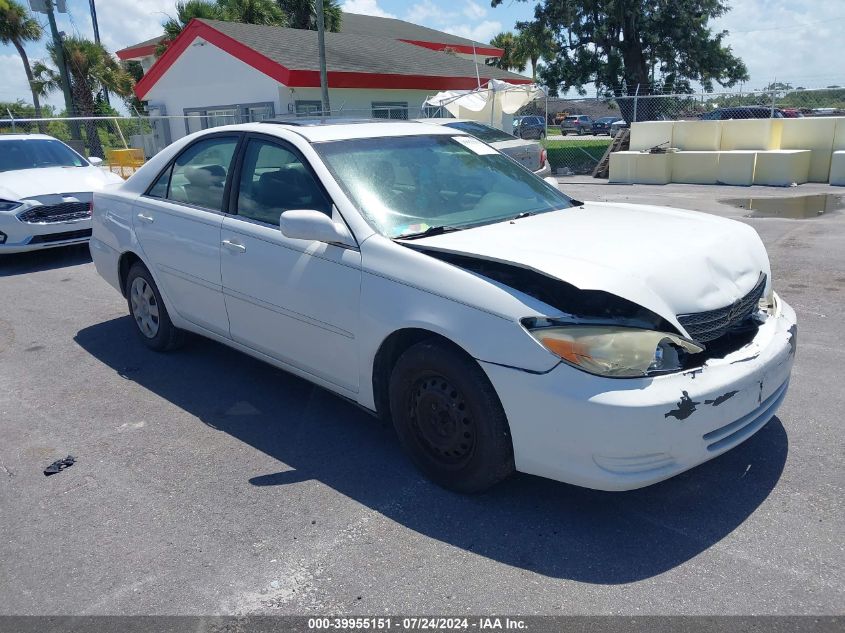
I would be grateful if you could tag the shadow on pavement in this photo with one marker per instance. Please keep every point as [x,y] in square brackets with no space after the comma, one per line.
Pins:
[47,259]
[527,522]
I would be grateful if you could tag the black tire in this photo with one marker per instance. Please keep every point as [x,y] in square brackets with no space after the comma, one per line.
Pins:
[167,336]
[464,442]
[541,136]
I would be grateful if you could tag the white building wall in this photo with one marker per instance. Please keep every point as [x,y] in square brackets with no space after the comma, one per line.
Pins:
[205,76]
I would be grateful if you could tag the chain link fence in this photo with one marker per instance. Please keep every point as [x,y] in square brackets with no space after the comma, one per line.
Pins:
[573,148]
[124,143]
[576,146]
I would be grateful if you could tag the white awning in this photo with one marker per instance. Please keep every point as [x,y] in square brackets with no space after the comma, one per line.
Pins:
[479,104]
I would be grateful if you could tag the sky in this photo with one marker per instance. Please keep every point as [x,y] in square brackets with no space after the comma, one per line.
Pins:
[795,41]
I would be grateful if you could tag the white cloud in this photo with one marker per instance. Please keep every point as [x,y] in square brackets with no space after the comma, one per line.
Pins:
[367,7]
[13,86]
[127,22]
[482,32]
[474,11]
[785,40]
[425,10]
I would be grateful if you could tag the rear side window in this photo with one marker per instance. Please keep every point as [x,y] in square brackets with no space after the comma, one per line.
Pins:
[479,130]
[199,174]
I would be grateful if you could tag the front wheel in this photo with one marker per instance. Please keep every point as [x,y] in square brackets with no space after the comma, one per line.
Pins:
[148,311]
[449,419]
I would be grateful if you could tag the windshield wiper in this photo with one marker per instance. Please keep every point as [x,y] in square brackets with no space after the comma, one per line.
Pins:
[432,230]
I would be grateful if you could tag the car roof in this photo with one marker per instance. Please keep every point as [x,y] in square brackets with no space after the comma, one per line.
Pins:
[316,130]
[26,137]
[446,121]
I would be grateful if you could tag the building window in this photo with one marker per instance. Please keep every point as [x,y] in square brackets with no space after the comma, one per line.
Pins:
[259,113]
[390,110]
[214,116]
[223,116]
[305,107]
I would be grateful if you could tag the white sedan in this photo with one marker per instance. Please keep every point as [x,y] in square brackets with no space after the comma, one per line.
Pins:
[417,271]
[46,191]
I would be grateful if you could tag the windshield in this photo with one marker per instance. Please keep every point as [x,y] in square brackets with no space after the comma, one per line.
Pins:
[411,184]
[484,132]
[35,153]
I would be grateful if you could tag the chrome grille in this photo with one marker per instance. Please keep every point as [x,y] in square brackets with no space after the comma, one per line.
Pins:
[63,212]
[713,324]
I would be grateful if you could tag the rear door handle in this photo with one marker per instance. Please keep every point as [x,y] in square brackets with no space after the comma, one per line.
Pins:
[233,246]
[146,218]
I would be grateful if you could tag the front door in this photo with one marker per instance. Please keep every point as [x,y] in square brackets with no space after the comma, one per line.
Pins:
[177,223]
[294,300]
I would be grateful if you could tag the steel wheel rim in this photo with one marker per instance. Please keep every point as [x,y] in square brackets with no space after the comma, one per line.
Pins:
[144,307]
[441,421]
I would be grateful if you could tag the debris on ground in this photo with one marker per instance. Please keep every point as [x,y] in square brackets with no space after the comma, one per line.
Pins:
[59,465]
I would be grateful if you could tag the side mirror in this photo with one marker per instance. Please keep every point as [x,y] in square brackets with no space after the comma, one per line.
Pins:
[95,160]
[553,182]
[308,224]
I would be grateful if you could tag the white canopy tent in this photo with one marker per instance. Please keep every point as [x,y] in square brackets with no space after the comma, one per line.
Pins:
[492,104]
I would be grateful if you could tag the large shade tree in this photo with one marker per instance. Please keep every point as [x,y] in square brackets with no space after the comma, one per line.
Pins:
[628,46]
[17,26]
[91,69]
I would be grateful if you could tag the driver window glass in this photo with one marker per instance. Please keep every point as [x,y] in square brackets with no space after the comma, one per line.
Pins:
[273,180]
[159,188]
[199,174]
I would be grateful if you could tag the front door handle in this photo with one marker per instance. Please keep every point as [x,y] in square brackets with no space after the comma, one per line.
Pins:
[146,218]
[233,246]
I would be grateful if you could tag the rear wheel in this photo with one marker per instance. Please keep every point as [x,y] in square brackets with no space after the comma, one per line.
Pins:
[149,313]
[449,419]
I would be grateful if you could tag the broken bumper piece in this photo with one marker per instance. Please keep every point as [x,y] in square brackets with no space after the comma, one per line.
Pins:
[622,434]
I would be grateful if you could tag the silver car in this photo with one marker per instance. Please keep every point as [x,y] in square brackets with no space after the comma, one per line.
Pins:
[529,154]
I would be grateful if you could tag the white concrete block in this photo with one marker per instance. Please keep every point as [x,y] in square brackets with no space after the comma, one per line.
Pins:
[737,167]
[837,169]
[700,168]
[782,167]
[648,134]
[697,135]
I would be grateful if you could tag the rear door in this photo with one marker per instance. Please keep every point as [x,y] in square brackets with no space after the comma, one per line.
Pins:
[177,223]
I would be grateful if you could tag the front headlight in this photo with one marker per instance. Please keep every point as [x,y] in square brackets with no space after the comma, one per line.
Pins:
[8,205]
[616,351]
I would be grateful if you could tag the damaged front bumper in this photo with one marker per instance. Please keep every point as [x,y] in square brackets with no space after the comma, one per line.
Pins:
[621,434]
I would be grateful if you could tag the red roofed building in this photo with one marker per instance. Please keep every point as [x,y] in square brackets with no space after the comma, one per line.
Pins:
[222,72]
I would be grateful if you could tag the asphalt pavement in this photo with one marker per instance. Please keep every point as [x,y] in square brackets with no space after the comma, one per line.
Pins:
[206,482]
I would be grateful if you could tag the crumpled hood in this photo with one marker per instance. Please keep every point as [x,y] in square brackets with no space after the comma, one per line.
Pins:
[31,183]
[667,260]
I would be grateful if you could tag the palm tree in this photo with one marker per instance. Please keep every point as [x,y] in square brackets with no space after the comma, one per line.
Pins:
[186,11]
[16,27]
[245,11]
[302,14]
[535,41]
[91,69]
[513,57]
[253,12]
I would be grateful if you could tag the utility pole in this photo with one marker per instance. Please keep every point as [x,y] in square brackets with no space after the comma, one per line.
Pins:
[97,40]
[321,45]
[60,58]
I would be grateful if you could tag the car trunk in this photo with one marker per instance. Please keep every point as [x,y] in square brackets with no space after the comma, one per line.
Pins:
[526,153]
